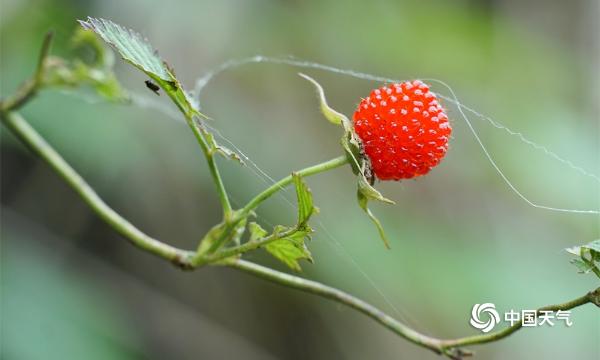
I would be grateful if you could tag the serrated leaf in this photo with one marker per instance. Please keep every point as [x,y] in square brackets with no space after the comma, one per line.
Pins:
[575,250]
[585,263]
[363,202]
[305,201]
[256,232]
[291,249]
[591,248]
[329,113]
[132,47]
[584,267]
[594,245]
[138,52]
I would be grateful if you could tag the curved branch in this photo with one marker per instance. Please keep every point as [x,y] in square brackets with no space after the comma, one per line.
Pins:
[182,258]
[22,130]
[451,348]
[337,295]
[592,297]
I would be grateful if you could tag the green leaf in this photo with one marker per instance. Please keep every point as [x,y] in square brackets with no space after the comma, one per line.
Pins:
[256,232]
[330,114]
[593,248]
[132,47]
[291,249]
[575,250]
[586,263]
[305,201]
[138,52]
[584,267]
[594,245]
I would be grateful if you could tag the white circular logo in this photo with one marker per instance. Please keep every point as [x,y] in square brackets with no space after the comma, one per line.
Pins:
[490,310]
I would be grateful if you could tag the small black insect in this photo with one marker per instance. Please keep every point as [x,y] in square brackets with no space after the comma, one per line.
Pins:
[152,86]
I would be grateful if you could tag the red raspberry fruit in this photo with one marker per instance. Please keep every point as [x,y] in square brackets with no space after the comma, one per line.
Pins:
[403,129]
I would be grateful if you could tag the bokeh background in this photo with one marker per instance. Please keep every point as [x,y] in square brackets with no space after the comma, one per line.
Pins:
[72,289]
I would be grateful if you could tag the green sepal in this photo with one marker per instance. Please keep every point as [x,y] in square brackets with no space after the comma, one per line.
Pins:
[353,149]
[330,114]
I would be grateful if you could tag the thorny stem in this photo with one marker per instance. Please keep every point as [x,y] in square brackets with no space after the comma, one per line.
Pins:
[182,258]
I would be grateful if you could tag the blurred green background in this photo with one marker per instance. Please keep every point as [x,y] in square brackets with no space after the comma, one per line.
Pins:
[72,289]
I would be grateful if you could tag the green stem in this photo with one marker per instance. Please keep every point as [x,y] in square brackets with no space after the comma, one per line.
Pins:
[28,136]
[22,130]
[451,348]
[207,148]
[591,297]
[208,255]
[212,166]
[339,296]
[31,86]
[319,168]
[245,247]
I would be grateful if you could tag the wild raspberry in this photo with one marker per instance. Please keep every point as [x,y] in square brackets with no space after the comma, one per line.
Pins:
[403,129]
